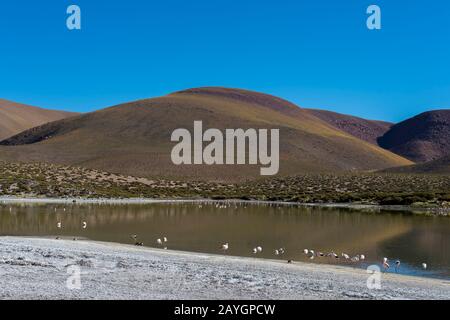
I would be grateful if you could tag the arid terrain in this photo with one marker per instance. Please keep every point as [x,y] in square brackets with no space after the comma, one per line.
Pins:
[16,117]
[325,157]
[52,181]
[423,138]
[367,130]
[439,166]
[134,138]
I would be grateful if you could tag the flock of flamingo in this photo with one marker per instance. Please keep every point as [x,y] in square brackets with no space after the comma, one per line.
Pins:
[312,254]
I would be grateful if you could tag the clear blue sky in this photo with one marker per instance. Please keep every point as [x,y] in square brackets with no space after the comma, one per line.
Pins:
[316,53]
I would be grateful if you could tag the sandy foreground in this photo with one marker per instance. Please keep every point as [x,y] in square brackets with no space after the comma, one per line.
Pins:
[36,268]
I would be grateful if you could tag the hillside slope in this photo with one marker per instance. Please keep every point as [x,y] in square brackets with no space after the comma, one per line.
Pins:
[16,117]
[439,166]
[367,130]
[423,138]
[134,138]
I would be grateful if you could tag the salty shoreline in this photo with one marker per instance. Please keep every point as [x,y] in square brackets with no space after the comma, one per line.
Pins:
[141,201]
[36,268]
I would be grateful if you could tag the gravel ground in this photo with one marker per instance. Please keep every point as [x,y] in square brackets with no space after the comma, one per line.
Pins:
[36,268]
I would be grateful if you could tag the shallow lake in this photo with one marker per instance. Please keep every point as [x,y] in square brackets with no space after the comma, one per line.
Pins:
[412,239]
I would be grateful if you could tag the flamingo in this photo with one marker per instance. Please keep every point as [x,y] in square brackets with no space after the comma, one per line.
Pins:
[136,243]
[386,264]
[397,265]
[333,254]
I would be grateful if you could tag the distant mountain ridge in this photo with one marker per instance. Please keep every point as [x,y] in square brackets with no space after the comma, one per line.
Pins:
[367,130]
[425,137]
[17,117]
[134,138]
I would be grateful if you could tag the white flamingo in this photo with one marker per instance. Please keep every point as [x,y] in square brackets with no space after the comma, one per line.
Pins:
[386,264]
[333,254]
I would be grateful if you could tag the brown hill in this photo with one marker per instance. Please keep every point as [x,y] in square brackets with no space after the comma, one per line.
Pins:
[423,138]
[16,117]
[134,138]
[367,130]
[439,166]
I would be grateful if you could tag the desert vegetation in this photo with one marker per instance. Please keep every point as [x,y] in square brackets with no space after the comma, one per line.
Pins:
[53,181]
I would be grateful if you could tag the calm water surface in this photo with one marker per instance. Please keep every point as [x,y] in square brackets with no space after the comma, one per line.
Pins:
[410,238]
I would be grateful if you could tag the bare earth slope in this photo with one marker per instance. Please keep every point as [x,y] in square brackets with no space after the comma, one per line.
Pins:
[367,130]
[16,117]
[134,138]
[439,166]
[423,138]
